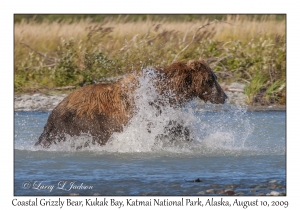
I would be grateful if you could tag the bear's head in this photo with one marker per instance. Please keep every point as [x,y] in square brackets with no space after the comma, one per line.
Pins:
[192,79]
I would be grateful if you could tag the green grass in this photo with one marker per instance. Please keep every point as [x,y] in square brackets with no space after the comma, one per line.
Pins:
[240,49]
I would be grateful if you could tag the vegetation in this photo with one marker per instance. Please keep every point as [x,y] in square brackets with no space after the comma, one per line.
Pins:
[51,53]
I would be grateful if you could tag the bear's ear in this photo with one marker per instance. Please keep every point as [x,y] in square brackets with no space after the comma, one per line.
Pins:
[193,65]
[197,65]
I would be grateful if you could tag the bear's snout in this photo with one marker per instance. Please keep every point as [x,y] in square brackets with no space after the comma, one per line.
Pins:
[216,96]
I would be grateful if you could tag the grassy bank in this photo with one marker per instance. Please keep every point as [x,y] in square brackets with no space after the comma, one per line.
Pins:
[247,49]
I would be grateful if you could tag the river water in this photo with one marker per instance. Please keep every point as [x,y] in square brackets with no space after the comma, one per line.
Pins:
[230,149]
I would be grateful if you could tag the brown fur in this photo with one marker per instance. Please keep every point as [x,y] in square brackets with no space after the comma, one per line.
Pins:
[103,109]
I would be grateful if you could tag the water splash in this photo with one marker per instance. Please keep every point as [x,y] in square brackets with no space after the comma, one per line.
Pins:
[203,129]
[196,127]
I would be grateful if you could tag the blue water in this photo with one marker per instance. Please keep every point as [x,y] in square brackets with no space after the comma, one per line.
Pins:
[239,150]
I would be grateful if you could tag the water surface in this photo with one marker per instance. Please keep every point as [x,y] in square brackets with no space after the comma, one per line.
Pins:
[231,149]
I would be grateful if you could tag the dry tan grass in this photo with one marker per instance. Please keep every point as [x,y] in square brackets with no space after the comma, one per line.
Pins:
[244,48]
[45,35]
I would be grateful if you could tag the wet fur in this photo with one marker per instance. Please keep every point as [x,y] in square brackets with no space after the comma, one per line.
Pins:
[103,109]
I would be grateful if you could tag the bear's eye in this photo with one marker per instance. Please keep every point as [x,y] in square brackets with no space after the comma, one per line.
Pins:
[188,81]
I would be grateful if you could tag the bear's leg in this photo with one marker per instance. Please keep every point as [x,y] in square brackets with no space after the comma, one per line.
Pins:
[96,140]
[49,136]
[177,130]
[55,129]
[61,122]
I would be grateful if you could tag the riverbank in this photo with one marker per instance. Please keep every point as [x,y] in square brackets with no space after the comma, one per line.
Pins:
[47,102]
[84,52]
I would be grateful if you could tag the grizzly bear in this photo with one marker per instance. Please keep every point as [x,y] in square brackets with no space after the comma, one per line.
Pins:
[99,110]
